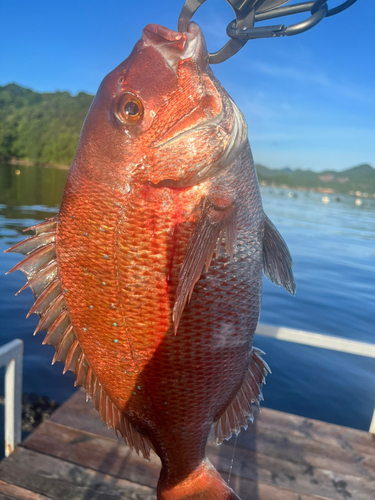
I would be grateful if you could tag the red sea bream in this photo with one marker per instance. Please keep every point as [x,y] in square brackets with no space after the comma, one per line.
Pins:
[149,280]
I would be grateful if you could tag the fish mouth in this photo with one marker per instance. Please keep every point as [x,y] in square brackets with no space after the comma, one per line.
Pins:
[175,46]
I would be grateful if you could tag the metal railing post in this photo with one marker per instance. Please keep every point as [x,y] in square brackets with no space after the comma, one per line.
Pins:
[372,425]
[11,357]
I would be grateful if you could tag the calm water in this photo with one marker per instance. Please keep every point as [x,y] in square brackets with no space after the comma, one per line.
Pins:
[334,255]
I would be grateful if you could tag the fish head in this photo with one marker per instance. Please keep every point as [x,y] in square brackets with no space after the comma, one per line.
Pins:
[161,116]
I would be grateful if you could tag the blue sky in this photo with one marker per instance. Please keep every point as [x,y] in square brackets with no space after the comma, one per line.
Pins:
[309,100]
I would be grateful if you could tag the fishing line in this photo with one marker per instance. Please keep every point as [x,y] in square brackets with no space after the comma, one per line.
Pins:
[231,462]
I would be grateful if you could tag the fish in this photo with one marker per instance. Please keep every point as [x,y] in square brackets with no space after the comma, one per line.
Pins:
[148,282]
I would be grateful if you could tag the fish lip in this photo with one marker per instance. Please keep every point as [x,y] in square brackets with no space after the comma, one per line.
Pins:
[175,46]
[162,32]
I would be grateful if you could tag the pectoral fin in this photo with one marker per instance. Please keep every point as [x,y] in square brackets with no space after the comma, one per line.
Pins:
[277,261]
[206,239]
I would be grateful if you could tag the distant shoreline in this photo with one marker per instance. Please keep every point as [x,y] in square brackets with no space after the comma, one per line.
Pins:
[321,190]
[300,188]
[262,182]
[28,163]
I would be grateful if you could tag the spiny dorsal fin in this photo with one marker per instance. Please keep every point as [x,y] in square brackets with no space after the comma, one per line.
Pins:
[40,269]
[239,412]
[214,223]
[277,261]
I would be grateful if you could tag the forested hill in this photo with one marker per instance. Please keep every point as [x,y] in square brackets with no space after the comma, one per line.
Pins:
[40,128]
[359,178]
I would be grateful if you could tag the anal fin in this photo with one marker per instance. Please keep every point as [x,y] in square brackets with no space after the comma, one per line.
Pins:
[239,412]
[277,261]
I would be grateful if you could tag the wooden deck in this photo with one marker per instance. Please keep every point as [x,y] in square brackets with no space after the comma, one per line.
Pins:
[280,457]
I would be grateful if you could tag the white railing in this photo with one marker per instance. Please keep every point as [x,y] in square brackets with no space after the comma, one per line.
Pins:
[11,357]
[322,341]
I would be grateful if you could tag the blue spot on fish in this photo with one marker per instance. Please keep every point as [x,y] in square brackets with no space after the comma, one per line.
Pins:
[114,324]
[105,256]
[115,341]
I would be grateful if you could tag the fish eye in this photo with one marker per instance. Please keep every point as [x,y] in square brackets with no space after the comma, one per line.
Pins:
[129,109]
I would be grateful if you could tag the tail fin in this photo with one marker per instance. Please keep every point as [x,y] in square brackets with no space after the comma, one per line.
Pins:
[204,483]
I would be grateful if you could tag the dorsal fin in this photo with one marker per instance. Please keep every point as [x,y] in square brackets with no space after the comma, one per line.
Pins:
[239,412]
[277,261]
[40,269]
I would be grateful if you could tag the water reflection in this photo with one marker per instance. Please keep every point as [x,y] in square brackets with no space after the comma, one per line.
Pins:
[33,193]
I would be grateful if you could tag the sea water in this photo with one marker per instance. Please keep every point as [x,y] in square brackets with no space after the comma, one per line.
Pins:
[333,248]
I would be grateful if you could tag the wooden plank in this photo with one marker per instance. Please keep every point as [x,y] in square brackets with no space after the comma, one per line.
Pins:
[11,492]
[331,434]
[62,480]
[256,490]
[67,442]
[306,451]
[78,414]
[280,435]
[96,452]
[110,457]
[301,478]
[81,415]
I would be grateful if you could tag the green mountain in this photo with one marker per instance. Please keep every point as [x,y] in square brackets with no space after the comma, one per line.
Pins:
[40,128]
[360,178]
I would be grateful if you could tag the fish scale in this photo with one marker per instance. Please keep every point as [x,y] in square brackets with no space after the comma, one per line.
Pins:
[149,280]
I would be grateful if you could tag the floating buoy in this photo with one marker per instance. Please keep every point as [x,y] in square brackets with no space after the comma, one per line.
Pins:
[358,202]
[326,199]
[17,172]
